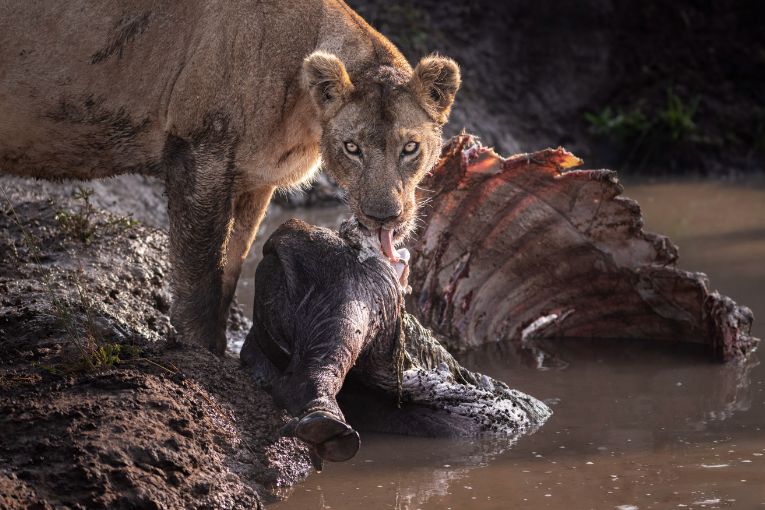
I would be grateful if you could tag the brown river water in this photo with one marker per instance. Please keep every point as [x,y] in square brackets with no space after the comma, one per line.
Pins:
[635,426]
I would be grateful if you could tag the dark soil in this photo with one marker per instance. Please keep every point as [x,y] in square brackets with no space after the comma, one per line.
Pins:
[165,426]
[533,70]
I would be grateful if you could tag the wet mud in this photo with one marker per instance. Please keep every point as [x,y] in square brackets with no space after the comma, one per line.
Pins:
[97,408]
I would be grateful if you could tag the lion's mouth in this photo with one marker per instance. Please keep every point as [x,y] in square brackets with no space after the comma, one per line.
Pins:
[398,258]
[386,236]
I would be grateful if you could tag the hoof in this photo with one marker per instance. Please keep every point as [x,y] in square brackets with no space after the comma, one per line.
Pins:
[333,439]
[340,448]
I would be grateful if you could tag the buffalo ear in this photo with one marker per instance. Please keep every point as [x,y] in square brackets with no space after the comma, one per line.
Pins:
[435,82]
[326,79]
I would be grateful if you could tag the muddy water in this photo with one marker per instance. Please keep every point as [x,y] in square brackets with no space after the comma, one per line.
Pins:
[635,426]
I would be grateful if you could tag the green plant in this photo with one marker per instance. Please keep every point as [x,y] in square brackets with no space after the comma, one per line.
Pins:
[79,224]
[619,124]
[408,25]
[83,223]
[123,222]
[106,356]
[414,26]
[677,116]
[643,133]
[46,367]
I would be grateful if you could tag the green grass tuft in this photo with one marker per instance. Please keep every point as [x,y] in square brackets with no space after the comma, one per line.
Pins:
[83,223]
[79,224]
[641,132]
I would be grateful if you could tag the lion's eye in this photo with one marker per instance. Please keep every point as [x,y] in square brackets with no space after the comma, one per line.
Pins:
[352,148]
[410,148]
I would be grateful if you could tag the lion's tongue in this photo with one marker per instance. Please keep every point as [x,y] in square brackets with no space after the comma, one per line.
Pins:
[386,241]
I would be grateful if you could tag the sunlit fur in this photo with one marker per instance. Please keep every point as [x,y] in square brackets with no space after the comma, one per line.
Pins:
[380,109]
[227,100]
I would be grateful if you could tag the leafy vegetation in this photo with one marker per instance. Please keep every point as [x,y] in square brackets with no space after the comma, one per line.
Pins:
[645,131]
[408,25]
[96,352]
[675,122]
[414,26]
[79,224]
[83,223]
[619,125]
[677,117]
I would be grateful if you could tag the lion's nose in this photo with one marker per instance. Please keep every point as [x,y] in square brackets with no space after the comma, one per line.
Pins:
[382,215]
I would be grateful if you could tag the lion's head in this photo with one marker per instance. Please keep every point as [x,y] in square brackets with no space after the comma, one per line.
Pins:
[381,133]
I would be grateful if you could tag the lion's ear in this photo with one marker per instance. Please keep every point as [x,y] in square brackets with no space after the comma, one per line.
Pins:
[326,79]
[435,82]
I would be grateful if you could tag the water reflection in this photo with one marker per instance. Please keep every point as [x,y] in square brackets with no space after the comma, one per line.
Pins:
[435,466]
[628,415]
[736,394]
[607,386]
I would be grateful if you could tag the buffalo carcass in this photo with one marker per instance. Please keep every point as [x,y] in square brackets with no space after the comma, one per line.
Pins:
[524,250]
[328,312]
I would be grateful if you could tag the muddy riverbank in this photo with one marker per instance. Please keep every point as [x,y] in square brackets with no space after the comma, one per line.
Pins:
[96,407]
[178,427]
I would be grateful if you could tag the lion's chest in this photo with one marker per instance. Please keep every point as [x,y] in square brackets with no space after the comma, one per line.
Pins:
[290,153]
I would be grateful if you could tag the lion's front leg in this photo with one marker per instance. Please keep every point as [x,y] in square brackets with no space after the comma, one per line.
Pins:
[200,183]
[249,209]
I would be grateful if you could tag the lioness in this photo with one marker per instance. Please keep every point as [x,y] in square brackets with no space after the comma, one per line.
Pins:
[228,100]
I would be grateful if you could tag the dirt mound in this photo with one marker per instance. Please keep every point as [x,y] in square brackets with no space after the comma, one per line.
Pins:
[96,409]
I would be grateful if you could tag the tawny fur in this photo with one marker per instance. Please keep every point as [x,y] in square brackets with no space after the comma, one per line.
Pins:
[228,100]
